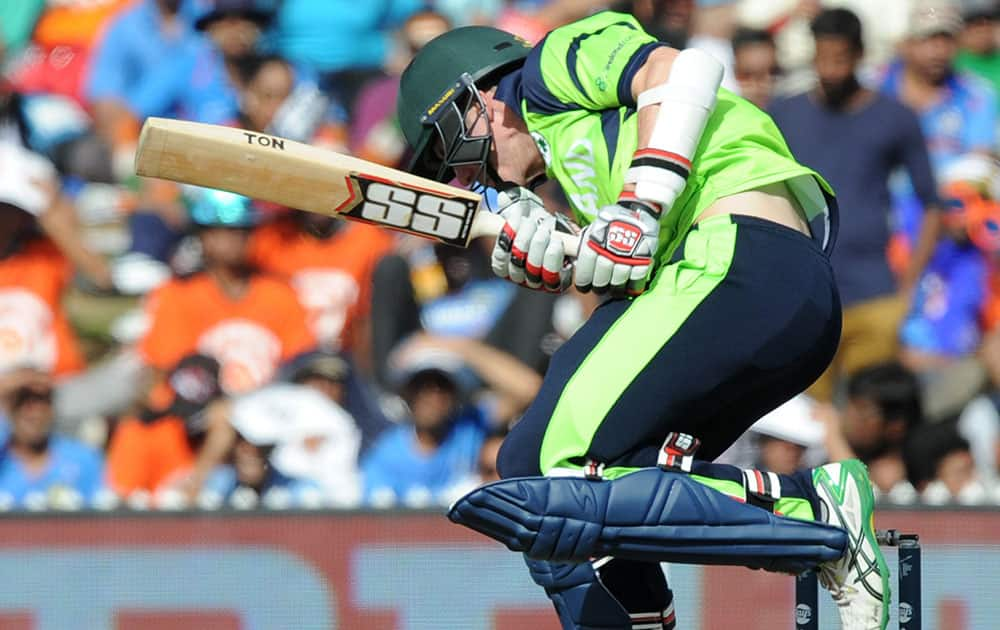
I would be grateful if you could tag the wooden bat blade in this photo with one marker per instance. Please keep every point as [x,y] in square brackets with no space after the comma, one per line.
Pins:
[309,178]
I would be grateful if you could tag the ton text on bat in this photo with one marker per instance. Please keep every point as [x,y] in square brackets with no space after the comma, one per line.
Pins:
[264,141]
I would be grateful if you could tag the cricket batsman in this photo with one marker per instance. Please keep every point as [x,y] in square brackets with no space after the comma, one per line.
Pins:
[711,245]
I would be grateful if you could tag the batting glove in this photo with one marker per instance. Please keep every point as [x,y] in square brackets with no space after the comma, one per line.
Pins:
[617,249]
[525,251]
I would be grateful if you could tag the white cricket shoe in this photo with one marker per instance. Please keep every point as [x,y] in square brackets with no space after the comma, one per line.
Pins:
[859,581]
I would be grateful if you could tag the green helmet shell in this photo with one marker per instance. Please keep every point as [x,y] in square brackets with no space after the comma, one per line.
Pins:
[430,79]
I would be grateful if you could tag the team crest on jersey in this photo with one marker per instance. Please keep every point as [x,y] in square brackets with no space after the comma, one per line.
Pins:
[543,147]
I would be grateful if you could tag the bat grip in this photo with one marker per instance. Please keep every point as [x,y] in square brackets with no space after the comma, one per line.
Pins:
[489,224]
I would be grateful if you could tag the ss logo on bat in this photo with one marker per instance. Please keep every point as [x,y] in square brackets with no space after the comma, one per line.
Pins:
[411,210]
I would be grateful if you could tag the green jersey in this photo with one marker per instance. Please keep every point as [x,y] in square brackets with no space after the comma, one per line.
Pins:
[574,93]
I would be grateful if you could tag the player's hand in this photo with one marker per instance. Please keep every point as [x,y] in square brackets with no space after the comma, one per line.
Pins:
[525,251]
[616,250]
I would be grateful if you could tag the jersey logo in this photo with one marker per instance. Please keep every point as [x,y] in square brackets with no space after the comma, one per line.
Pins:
[543,147]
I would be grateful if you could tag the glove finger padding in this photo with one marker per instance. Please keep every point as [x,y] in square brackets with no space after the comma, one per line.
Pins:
[586,259]
[526,251]
[603,268]
[537,248]
[500,260]
[620,275]
[557,269]
[522,243]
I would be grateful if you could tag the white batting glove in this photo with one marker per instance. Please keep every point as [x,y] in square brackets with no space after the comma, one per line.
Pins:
[525,251]
[617,249]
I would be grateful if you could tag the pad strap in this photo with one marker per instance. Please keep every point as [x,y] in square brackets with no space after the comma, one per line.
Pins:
[677,452]
[763,488]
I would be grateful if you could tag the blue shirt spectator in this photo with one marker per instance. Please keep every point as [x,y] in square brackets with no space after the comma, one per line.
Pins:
[38,468]
[944,320]
[963,119]
[336,35]
[856,150]
[399,468]
[70,466]
[160,69]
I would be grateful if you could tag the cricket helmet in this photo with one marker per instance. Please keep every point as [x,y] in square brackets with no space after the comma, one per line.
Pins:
[439,87]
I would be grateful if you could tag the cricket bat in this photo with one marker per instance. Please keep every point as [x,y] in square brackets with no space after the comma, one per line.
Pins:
[309,178]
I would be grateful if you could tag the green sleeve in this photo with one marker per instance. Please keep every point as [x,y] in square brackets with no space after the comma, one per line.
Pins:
[590,63]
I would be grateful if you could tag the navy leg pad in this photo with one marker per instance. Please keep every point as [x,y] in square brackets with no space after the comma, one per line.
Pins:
[649,515]
[580,600]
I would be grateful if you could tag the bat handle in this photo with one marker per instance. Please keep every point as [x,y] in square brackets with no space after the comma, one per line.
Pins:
[487,223]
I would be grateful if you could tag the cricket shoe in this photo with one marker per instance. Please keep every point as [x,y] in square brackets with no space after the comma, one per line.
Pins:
[858,581]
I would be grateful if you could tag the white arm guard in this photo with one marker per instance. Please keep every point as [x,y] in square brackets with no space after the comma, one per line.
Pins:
[686,99]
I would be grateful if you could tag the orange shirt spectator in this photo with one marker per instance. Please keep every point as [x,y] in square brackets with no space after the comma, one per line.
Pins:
[75,22]
[34,329]
[332,273]
[63,40]
[147,455]
[249,336]
[154,452]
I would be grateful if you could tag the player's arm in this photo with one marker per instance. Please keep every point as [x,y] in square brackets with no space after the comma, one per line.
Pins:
[675,94]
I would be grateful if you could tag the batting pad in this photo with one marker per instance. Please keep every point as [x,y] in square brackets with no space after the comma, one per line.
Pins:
[649,515]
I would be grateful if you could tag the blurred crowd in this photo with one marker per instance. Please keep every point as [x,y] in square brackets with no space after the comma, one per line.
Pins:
[170,347]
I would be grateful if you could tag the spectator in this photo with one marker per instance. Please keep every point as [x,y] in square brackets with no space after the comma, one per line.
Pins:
[438,446]
[486,467]
[712,29]
[667,20]
[785,435]
[150,62]
[940,466]
[315,439]
[250,478]
[944,324]
[277,101]
[883,409]
[980,51]
[451,292]
[234,26]
[839,118]
[375,133]
[330,263]
[532,19]
[150,454]
[417,462]
[958,114]
[333,375]
[33,272]
[302,34]
[790,437]
[61,46]
[979,424]
[789,21]
[248,321]
[755,65]
[40,469]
